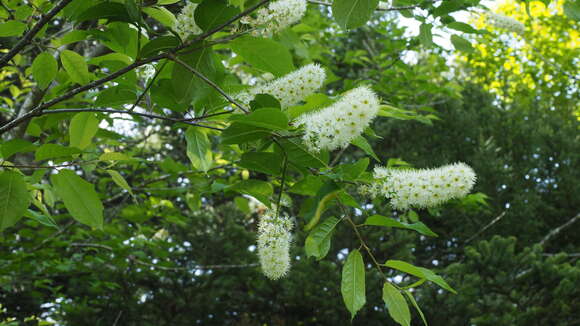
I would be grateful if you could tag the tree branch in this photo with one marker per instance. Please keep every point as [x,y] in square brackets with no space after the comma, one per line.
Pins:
[559,229]
[31,33]
[495,220]
[324,3]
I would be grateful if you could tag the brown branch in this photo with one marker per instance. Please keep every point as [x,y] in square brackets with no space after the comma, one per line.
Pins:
[26,166]
[559,229]
[495,220]
[31,33]
[324,3]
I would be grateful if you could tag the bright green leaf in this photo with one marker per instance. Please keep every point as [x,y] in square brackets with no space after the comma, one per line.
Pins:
[51,151]
[318,241]
[79,197]
[353,13]
[264,54]
[14,198]
[268,118]
[83,127]
[213,13]
[419,272]
[119,180]
[75,66]
[396,304]
[12,28]
[353,283]
[198,149]
[378,220]
[461,44]
[363,144]
[44,69]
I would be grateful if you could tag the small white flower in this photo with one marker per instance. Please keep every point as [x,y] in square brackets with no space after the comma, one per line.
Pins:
[274,239]
[337,125]
[185,22]
[504,22]
[289,89]
[383,5]
[146,72]
[423,188]
[278,16]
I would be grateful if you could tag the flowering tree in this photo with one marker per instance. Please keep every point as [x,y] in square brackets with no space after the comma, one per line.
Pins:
[97,89]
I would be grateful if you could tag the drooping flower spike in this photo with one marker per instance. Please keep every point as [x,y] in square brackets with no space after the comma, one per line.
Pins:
[276,17]
[337,125]
[274,239]
[289,89]
[422,188]
[504,22]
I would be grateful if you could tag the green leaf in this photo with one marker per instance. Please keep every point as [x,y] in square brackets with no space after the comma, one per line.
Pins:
[353,13]
[396,304]
[265,162]
[363,144]
[412,299]
[75,66]
[16,145]
[300,156]
[159,44]
[83,127]
[114,156]
[447,7]
[162,15]
[419,272]
[260,190]
[42,219]
[79,197]
[213,13]
[50,151]
[198,149]
[461,44]
[264,54]
[239,133]
[14,198]
[267,118]
[264,101]
[462,27]
[112,11]
[119,180]
[350,172]
[378,220]
[12,28]
[425,35]
[353,283]
[185,84]
[133,10]
[572,9]
[318,241]
[44,69]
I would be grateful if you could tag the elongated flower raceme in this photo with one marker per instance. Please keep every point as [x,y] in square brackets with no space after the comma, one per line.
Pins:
[291,88]
[504,22]
[337,125]
[274,239]
[424,187]
[278,16]
[185,22]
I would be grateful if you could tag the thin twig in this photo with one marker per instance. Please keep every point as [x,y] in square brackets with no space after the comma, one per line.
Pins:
[207,81]
[31,33]
[147,115]
[325,3]
[559,229]
[495,220]
[24,166]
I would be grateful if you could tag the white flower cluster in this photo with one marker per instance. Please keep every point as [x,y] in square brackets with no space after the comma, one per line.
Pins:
[289,89]
[185,22]
[383,5]
[337,125]
[279,15]
[146,72]
[507,23]
[425,187]
[274,239]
